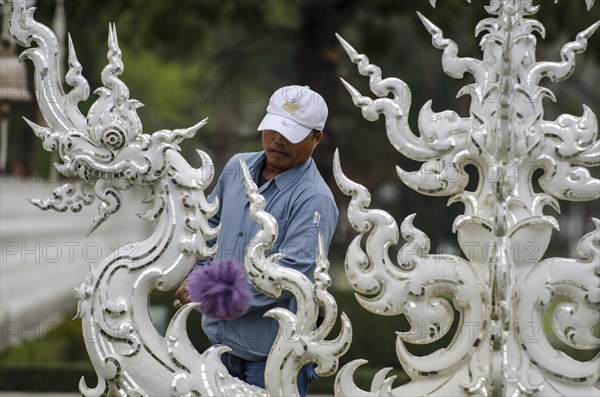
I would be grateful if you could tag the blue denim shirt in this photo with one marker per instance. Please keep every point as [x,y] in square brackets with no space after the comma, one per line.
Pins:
[303,206]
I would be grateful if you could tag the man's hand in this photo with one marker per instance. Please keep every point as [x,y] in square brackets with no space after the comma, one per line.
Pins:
[182,295]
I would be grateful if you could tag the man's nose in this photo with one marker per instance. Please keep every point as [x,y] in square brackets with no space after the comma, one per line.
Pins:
[279,139]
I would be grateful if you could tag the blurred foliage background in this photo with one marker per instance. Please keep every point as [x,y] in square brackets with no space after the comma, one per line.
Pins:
[191,59]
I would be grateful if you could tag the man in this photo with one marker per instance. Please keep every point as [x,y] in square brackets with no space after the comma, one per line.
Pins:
[301,202]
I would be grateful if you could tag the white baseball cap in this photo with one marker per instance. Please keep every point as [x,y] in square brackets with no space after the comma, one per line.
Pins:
[294,111]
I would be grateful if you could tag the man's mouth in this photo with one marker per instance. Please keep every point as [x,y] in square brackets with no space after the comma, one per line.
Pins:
[279,152]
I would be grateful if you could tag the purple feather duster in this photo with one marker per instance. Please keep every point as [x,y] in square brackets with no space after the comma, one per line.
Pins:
[221,288]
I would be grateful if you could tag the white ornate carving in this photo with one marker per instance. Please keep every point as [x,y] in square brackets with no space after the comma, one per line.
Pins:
[298,341]
[504,289]
[106,153]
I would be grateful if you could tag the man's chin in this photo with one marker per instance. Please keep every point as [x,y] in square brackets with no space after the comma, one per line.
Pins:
[278,165]
[276,160]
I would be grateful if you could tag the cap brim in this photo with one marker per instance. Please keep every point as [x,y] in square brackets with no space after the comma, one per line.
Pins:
[291,130]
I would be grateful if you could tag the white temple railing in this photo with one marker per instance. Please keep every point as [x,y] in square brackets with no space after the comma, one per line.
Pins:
[500,345]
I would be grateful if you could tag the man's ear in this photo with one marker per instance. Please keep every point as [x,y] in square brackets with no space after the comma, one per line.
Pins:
[318,137]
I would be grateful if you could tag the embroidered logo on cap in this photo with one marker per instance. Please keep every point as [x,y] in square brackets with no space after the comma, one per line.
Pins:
[292,108]
[286,124]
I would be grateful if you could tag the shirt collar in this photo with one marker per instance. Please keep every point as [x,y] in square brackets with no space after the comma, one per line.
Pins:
[287,177]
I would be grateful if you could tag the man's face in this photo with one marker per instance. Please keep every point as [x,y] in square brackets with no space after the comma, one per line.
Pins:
[282,154]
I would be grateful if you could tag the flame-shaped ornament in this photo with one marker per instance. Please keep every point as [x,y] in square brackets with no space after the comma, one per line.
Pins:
[503,291]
